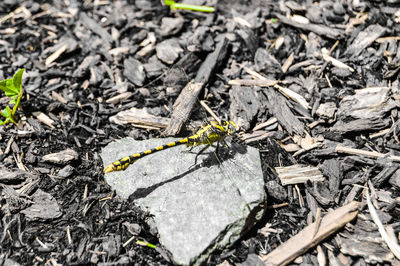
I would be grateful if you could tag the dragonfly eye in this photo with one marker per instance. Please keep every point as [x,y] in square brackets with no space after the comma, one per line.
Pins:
[231,126]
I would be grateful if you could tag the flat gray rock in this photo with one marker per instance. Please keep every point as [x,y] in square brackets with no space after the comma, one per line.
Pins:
[196,209]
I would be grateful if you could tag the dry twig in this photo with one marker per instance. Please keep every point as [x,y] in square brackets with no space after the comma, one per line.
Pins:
[304,240]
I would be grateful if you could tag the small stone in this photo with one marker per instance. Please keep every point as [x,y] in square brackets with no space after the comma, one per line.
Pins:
[168,51]
[44,207]
[134,71]
[326,110]
[171,26]
[264,61]
[66,171]
[154,67]
[342,72]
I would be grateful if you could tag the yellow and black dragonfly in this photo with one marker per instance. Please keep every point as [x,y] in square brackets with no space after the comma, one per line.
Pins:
[207,135]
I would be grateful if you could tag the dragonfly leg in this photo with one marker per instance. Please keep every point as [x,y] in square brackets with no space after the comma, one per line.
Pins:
[200,152]
[189,150]
[217,155]
[225,144]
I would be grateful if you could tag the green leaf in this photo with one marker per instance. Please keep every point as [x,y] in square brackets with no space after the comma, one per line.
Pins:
[7,86]
[10,115]
[3,85]
[3,113]
[12,87]
[7,113]
[17,80]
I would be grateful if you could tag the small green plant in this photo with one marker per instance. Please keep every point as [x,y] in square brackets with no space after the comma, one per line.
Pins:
[173,5]
[13,89]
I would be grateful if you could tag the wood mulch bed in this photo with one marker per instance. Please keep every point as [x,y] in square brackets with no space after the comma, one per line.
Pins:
[313,85]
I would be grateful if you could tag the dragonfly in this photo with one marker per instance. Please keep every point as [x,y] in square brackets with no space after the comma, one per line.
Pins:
[208,134]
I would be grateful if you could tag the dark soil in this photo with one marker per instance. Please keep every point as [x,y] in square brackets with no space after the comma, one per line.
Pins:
[131,50]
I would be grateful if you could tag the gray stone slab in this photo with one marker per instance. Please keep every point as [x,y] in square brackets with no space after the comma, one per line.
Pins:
[196,209]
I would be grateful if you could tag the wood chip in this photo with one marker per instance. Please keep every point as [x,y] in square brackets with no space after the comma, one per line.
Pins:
[288,63]
[119,50]
[279,108]
[119,98]
[59,97]
[140,118]
[268,123]
[304,240]
[62,157]
[53,57]
[96,28]
[367,103]
[44,119]
[364,39]
[168,51]
[297,173]
[335,61]
[294,96]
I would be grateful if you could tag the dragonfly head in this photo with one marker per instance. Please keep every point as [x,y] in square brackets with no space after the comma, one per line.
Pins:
[230,127]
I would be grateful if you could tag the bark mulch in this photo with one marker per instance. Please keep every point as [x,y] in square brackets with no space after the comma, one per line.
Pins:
[313,85]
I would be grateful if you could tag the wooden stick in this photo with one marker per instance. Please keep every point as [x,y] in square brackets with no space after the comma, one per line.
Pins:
[392,244]
[183,107]
[267,123]
[317,221]
[304,240]
[371,154]
[208,109]
[316,28]
[188,97]
[251,82]
[336,62]
[56,54]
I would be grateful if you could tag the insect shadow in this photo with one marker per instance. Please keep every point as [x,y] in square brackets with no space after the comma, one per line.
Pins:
[223,154]
[144,192]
